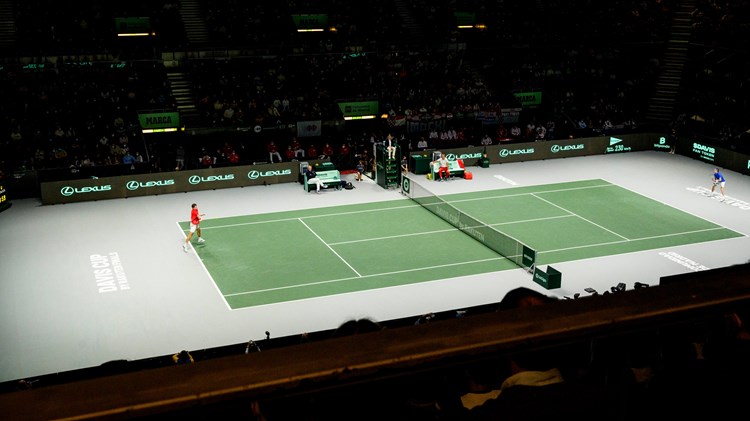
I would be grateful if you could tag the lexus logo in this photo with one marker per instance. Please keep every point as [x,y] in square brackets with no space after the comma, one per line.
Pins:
[67,191]
[254,174]
[132,185]
[194,179]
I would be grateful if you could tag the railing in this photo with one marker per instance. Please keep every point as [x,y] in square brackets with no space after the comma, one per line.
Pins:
[389,356]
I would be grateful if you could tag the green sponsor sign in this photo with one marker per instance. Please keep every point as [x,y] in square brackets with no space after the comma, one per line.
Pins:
[551,279]
[465,18]
[311,21]
[529,99]
[163,120]
[529,257]
[133,24]
[358,109]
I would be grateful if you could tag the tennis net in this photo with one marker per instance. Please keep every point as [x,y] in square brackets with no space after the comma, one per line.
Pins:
[503,244]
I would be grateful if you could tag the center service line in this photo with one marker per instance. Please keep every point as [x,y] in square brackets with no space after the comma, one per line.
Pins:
[573,213]
[329,247]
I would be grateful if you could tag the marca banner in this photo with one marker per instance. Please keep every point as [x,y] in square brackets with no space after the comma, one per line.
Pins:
[529,99]
[309,128]
[163,120]
[316,21]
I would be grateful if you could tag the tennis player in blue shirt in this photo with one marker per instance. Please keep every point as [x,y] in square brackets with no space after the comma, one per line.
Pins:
[718,180]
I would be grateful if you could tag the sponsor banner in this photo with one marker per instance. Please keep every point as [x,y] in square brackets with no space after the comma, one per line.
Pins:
[422,125]
[465,18]
[359,109]
[310,21]
[165,120]
[129,25]
[530,151]
[469,155]
[662,144]
[549,279]
[630,143]
[703,151]
[167,182]
[529,99]
[714,155]
[487,117]
[311,128]
[510,115]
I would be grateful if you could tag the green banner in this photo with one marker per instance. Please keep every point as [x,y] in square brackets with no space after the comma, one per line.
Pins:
[164,120]
[529,99]
[358,109]
[133,24]
[551,279]
[317,21]
[465,18]
[529,257]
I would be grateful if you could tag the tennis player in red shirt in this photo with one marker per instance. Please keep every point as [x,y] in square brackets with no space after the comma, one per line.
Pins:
[195,221]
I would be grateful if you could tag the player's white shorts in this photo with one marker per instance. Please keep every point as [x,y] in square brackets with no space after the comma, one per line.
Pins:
[193,227]
[722,183]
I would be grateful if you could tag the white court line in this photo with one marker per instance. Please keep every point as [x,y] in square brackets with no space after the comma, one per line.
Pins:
[573,213]
[546,218]
[394,236]
[632,240]
[205,269]
[309,217]
[329,247]
[530,193]
[449,230]
[390,208]
[682,210]
[365,276]
[534,194]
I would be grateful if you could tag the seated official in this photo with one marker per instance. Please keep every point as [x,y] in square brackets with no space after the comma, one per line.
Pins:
[443,172]
[312,178]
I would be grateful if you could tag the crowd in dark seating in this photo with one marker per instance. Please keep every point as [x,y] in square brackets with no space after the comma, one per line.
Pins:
[588,87]
[723,24]
[63,27]
[714,101]
[77,113]
[516,23]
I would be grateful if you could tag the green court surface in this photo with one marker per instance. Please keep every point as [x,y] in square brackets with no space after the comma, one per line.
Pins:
[284,256]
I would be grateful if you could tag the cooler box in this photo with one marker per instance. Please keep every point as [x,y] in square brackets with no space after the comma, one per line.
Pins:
[468,175]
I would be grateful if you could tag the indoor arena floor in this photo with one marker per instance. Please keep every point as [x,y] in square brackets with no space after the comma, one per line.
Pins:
[58,312]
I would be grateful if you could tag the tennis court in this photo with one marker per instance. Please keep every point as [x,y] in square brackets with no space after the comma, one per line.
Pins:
[285,256]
